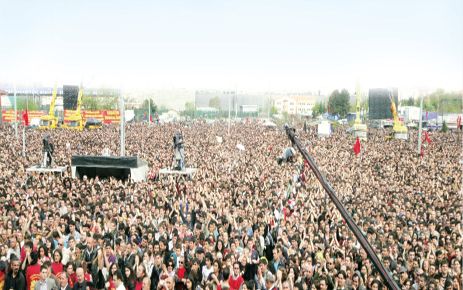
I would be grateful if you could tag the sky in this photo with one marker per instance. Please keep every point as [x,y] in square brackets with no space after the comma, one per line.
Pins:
[292,45]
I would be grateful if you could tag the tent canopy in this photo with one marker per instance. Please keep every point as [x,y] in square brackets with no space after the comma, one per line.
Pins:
[269,124]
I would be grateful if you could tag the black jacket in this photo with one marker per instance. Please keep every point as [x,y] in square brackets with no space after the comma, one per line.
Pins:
[17,283]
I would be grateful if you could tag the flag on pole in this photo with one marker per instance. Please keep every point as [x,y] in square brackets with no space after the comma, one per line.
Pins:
[26,118]
[426,137]
[357,146]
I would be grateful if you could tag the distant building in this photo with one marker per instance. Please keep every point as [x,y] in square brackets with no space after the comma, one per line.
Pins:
[300,105]
[231,99]
[226,99]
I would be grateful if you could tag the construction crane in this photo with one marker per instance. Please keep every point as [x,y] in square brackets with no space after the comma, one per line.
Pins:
[400,130]
[75,121]
[359,129]
[50,121]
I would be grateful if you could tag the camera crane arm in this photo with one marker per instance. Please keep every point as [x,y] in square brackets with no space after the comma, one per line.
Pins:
[391,284]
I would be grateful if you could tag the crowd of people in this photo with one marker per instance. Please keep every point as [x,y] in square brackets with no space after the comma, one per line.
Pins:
[243,221]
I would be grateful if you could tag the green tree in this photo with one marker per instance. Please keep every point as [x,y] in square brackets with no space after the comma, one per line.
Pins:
[190,106]
[408,102]
[338,103]
[146,103]
[443,102]
[214,103]
[22,103]
[273,111]
[90,103]
[318,109]
[162,109]
[445,128]
[109,103]
[190,109]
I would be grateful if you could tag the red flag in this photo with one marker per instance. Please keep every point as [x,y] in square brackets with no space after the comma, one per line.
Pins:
[426,137]
[151,119]
[357,146]
[26,118]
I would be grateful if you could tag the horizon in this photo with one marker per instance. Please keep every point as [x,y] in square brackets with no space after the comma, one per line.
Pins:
[259,46]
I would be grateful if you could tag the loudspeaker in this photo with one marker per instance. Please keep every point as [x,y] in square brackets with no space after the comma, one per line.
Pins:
[379,104]
[70,94]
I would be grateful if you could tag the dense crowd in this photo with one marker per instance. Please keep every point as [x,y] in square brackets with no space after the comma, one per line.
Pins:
[242,222]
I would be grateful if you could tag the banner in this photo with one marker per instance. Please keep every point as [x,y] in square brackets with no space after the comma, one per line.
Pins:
[97,115]
[107,117]
[111,117]
[8,115]
[68,113]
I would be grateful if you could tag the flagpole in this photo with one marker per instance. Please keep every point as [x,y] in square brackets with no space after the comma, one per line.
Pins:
[229,113]
[122,121]
[24,127]
[149,110]
[24,140]
[420,128]
[15,115]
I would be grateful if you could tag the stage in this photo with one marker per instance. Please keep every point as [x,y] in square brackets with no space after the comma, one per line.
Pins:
[190,172]
[56,169]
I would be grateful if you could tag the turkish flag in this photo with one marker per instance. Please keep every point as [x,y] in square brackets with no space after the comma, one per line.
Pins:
[426,137]
[357,146]
[26,118]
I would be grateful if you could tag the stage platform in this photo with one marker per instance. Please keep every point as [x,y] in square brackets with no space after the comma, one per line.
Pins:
[190,172]
[56,169]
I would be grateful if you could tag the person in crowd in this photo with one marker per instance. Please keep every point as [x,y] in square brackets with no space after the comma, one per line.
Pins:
[45,282]
[15,279]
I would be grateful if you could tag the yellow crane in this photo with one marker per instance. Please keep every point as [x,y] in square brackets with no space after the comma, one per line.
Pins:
[359,129]
[400,130]
[50,121]
[75,121]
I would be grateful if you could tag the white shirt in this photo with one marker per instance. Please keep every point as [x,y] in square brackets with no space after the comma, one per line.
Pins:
[207,271]
[120,287]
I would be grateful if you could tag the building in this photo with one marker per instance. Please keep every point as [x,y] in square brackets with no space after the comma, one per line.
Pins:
[300,105]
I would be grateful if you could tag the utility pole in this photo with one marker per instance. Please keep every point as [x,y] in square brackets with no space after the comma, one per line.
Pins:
[229,114]
[1,110]
[420,125]
[15,115]
[269,107]
[122,120]
[236,104]
[149,111]
[24,127]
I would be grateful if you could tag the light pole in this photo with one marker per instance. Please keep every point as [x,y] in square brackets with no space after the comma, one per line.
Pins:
[229,113]
[420,125]
[15,115]
[149,111]
[122,120]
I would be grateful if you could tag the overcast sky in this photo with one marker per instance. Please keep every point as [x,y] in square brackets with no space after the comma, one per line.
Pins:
[243,44]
